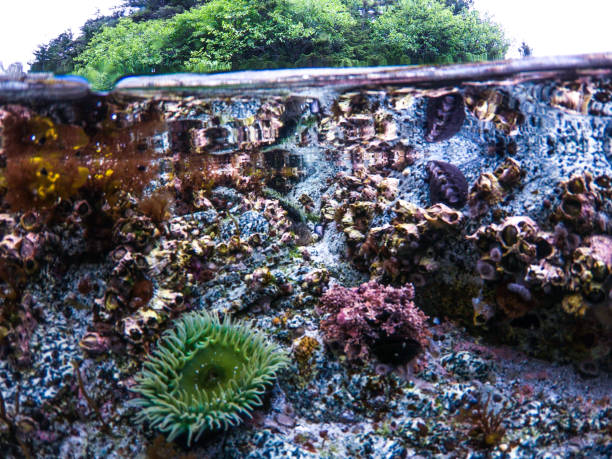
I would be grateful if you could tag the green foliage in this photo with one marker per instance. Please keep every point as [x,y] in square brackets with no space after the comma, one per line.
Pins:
[220,35]
[58,55]
[245,34]
[159,9]
[128,47]
[425,31]
[459,5]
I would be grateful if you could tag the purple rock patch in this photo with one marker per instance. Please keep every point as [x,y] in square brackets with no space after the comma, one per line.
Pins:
[445,116]
[447,184]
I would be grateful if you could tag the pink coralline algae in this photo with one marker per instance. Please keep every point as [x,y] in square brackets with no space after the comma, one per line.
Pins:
[374,319]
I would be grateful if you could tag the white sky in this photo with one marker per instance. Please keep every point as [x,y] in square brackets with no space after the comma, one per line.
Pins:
[554,27]
[550,27]
[25,24]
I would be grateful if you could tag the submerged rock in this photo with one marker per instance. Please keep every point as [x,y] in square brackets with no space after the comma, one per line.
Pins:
[271,197]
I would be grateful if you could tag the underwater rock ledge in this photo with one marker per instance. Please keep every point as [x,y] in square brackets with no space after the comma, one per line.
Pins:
[430,248]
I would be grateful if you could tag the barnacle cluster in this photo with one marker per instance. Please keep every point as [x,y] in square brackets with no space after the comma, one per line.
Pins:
[126,308]
[495,106]
[586,204]
[223,131]
[582,97]
[123,216]
[60,177]
[363,127]
[200,247]
[573,98]
[205,374]
[83,206]
[22,249]
[516,250]
[573,260]
[401,248]
[356,200]
[407,248]
[590,278]
[491,188]
[237,143]
[510,246]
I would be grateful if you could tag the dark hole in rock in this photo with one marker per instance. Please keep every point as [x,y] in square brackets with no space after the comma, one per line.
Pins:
[509,235]
[587,339]
[571,206]
[543,248]
[511,263]
[395,350]
[83,208]
[603,181]
[596,295]
[528,321]
[30,265]
[576,268]
[576,186]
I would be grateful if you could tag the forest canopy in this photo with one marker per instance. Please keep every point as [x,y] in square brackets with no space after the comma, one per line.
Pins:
[160,36]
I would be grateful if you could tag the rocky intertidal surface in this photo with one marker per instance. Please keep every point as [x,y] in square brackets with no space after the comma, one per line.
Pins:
[381,271]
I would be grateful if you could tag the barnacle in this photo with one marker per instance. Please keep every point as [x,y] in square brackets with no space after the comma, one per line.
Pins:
[491,188]
[496,106]
[573,98]
[485,193]
[583,202]
[204,375]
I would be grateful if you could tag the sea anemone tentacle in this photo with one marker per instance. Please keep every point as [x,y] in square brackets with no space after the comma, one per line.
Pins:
[206,374]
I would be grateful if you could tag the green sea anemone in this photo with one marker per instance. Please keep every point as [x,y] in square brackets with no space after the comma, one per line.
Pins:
[204,375]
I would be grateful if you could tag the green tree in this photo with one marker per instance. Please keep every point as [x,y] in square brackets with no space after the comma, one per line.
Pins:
[222,35]
[261,34]
[58,55]
[128,47]
[427,31]
[159,9]
[459,6]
